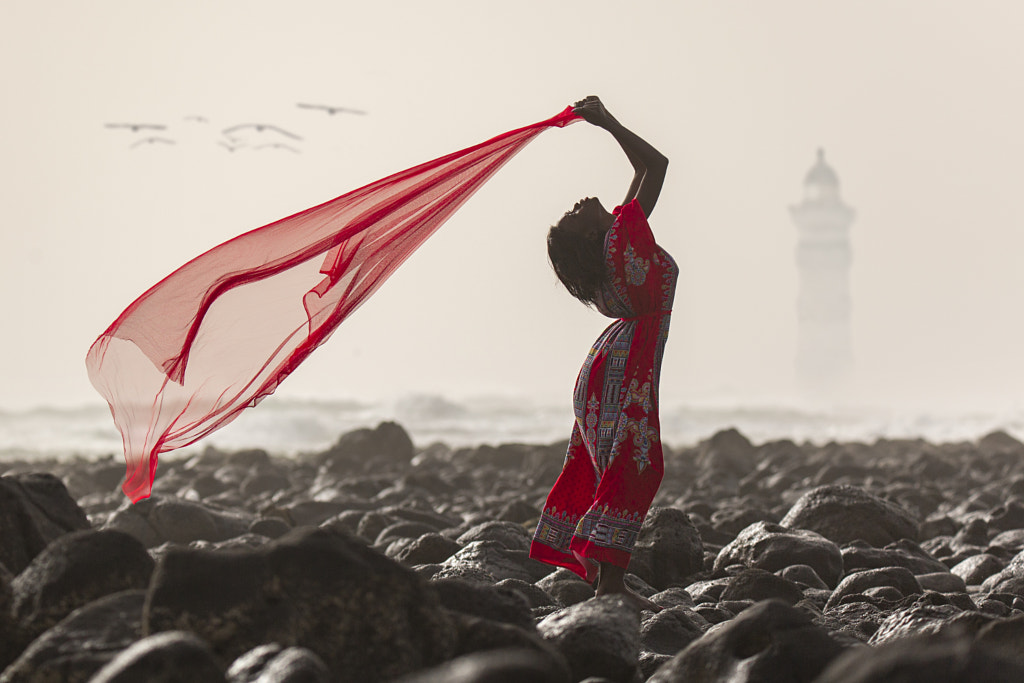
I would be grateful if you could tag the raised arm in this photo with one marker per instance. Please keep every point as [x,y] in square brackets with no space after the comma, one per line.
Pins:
[649,165]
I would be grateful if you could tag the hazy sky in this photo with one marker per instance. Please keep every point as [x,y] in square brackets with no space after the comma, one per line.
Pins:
[918,105]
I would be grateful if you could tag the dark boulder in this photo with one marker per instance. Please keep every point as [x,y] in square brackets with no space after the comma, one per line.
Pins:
[364,449]
[477,634]
[803,575]
[35,509]
[727,451]
[1004,637]
[670,630]
[74,570]
[856,621]
[534,595]
[668,549]
[494,666]
[1007,516]
[10,641]
[565,587]
[757,584]
[844,514]
[916,619]
[773,547]
[81,644]
[923,659]
[500,604]
[768,642]
[170,656]
[432,548]
[599,637]
[313,587]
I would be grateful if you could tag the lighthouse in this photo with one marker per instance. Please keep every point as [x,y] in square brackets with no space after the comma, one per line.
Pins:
[824,357]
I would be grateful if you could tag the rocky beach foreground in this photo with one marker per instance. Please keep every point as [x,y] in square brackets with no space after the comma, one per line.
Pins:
[376,561]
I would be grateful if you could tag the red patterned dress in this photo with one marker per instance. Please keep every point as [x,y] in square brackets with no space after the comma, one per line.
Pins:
[614,464]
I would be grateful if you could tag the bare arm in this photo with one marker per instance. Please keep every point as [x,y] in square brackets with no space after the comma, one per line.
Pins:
[649,165]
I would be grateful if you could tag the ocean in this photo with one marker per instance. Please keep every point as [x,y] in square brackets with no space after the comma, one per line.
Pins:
[288,426]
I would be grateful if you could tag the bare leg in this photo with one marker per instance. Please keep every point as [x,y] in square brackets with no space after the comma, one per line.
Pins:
[611,581]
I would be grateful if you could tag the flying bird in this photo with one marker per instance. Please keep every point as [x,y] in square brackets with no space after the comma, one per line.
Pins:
[154,141]
[260,127]
[331,110]
[197,119]
[228,146]
[278,145]
[136,127]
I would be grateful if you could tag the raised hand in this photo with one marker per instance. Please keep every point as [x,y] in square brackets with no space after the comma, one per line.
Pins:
[593,111]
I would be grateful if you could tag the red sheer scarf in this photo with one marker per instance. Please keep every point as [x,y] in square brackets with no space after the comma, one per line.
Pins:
[222,332]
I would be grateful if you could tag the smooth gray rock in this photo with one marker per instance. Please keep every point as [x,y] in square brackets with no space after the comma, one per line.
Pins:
[773,547]
[35,509]
[597,637]
[159,519]
[74,570]
[975,569]
[170,657]
[500,562]
[898,578]
[511,535]
[844,514]
[768,642]
[313,587]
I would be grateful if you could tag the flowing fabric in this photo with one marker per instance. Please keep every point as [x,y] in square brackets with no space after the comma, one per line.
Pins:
[223,331]
[614,465]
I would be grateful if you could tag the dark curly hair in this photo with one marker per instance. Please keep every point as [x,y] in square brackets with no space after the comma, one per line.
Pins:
[576,253]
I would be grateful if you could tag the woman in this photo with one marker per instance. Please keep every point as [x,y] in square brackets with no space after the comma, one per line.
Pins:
[613,465]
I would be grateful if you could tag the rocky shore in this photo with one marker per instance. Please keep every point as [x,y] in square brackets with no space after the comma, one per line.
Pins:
[377,561]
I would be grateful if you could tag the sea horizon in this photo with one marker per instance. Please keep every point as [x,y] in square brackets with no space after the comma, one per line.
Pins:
[288,425]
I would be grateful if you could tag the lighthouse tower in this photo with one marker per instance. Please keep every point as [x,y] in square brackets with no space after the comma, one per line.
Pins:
[824,351]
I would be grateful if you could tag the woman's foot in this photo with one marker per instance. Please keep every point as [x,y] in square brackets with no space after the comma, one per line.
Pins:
[640,601]
[611,581]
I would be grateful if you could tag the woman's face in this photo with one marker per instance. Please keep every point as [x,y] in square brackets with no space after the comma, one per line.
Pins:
[590,212]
